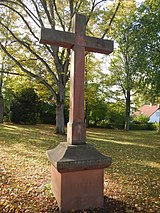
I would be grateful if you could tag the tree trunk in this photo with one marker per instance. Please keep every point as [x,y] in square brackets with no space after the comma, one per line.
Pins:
[1,108]
[86,87]
[87,115]
[60,128]
[1,97]
[128,102]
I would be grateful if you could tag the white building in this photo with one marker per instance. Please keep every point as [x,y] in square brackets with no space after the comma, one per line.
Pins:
[150,111]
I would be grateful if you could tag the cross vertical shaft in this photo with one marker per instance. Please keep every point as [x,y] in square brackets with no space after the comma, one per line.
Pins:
[78,42]
[76,133]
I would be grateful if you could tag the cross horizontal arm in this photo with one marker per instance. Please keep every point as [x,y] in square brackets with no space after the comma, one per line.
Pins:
[98,45]
[57,38]
[68,40]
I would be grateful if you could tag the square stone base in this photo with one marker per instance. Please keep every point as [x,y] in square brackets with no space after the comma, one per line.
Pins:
[78,189]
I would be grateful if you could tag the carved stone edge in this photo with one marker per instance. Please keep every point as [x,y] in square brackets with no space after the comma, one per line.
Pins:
[66,157]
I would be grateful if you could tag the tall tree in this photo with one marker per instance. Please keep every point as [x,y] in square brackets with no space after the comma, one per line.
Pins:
[135,64]
[1,96]
[48,64]
[93,87]
[4,66]
[147,49]
[123,74]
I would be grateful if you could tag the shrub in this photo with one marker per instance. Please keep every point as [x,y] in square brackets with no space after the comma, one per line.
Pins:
[141,119]
[141,123]
[46,113]
[23,107]
[146,126]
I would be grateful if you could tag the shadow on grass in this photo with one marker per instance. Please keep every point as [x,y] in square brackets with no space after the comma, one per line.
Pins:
[110,206]
[38,136]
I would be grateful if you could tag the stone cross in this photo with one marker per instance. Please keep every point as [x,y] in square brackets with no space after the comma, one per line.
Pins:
[74,163]
[78,42]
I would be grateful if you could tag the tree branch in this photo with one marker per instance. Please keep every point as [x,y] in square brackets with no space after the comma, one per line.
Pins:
[56,10]
[71,8]
[11,8]
[38,13]
[116,10]
[28,72]
[65,67]
[44,4]
[52,13]
[94,5]
[92,9]
[124,92]
[27,10]
[27,46]
[31,14]
[12,73]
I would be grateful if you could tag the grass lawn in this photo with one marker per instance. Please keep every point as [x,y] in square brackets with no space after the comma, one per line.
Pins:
[132,183]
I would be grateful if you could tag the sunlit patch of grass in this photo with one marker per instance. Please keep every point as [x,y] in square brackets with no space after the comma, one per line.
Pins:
[121,142]
[134,176]
[149,164]
[132,181]
[25,167]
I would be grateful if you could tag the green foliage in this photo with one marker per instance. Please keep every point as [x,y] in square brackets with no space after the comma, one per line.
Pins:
[142,126]
[27,108]
[46,113]
[146,49]
[107,115]
[98,112]
[123,76]
[117,115]
[141,119]
[23,108]
[141,123]
[1,108]
[134,65]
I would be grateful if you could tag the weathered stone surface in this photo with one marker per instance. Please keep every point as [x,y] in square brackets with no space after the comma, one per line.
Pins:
[78,189]
[77,134]
[98,45]
[57,38]
[91,44]
[67,157]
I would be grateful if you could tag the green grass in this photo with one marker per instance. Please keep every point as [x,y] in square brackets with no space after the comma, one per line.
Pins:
[134,176]
[132,183]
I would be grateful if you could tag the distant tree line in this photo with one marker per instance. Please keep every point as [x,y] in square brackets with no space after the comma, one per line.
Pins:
[26,108]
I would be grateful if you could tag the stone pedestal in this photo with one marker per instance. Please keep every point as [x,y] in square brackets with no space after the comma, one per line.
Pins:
[77,176]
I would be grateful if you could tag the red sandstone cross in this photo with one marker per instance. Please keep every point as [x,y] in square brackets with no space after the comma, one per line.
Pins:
[79,43]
